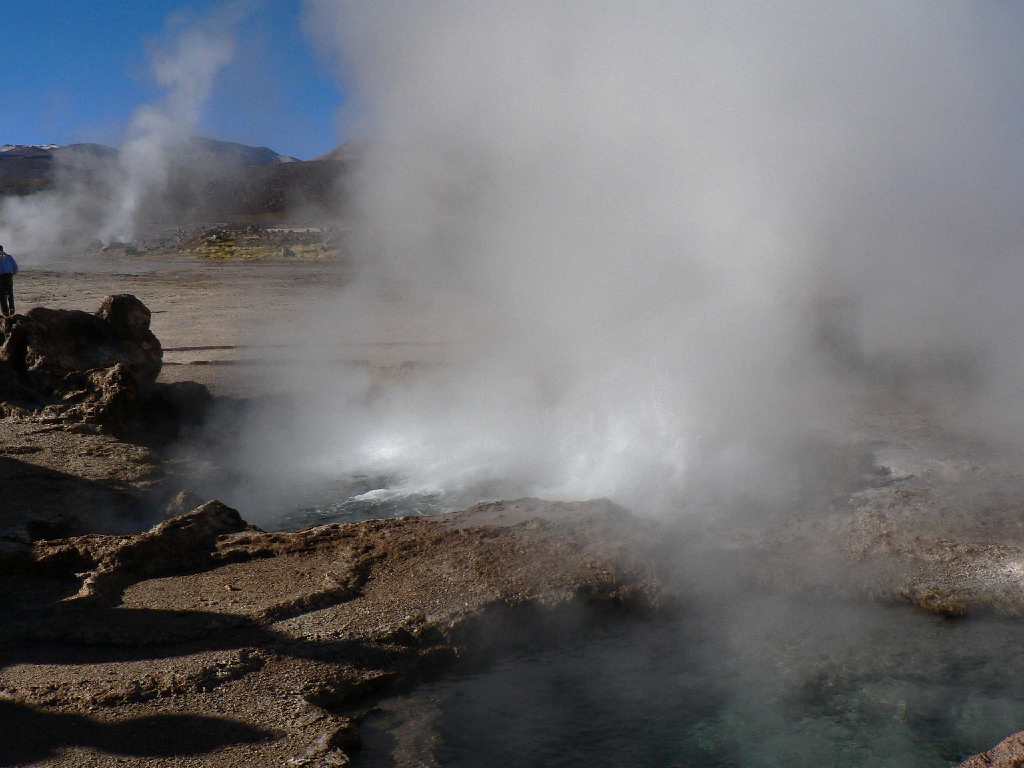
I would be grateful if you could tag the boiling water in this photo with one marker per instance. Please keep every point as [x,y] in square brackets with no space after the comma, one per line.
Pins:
[360,498]
[762,682]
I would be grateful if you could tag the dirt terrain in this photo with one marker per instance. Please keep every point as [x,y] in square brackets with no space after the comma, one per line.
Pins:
[146,629]
[222,323]
[204,313]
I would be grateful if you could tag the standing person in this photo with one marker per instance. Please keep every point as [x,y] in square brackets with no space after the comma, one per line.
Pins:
[8,269]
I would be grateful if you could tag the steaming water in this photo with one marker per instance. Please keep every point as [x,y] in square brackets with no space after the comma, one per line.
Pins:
[764,682]
[360,498]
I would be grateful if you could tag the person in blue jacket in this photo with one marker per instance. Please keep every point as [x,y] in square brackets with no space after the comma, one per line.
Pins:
[8,269]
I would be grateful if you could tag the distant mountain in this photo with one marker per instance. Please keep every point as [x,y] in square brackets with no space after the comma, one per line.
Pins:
[25,168]
[26,150]
[198,147]
[208,177]
[92,150]
[241,154]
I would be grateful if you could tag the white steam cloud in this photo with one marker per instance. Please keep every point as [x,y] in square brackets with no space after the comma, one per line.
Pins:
[98,198]
[672,239]
[187,70]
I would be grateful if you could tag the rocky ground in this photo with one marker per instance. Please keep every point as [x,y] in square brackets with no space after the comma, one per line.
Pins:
[1008,753]
[146,628]
[207,642]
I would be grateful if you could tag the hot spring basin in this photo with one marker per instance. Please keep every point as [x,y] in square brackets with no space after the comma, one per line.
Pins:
[759,682]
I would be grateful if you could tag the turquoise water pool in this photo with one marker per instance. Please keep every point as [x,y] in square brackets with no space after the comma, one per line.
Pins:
[762,682]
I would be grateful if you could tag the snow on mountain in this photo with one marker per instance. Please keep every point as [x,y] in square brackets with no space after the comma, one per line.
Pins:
[28,149]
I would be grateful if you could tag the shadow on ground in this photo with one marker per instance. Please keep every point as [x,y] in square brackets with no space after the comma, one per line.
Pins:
[50,504]
[32,734]
[53,631]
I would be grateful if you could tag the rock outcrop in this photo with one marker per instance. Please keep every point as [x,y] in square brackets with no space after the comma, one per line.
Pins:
[1008,753]
[98,370]
[46,346]
[182,543]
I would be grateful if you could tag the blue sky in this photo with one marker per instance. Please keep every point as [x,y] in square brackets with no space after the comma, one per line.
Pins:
[78,69]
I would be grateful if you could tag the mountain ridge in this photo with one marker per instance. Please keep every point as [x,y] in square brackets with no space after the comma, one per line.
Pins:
[256,155]
[206,175]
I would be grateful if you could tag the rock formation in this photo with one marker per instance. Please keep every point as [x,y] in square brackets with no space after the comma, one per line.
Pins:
[1008,753]
[46,346]
[97,370]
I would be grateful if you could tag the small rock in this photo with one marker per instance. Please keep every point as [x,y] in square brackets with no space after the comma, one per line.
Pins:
[128,316]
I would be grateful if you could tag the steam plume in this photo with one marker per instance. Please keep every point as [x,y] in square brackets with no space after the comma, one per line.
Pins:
[669,246]
[94,198]
[187,70]
[641,223]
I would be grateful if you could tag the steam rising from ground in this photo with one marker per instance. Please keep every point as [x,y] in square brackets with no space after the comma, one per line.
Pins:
[187,71]
[96,198]
[671,239]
